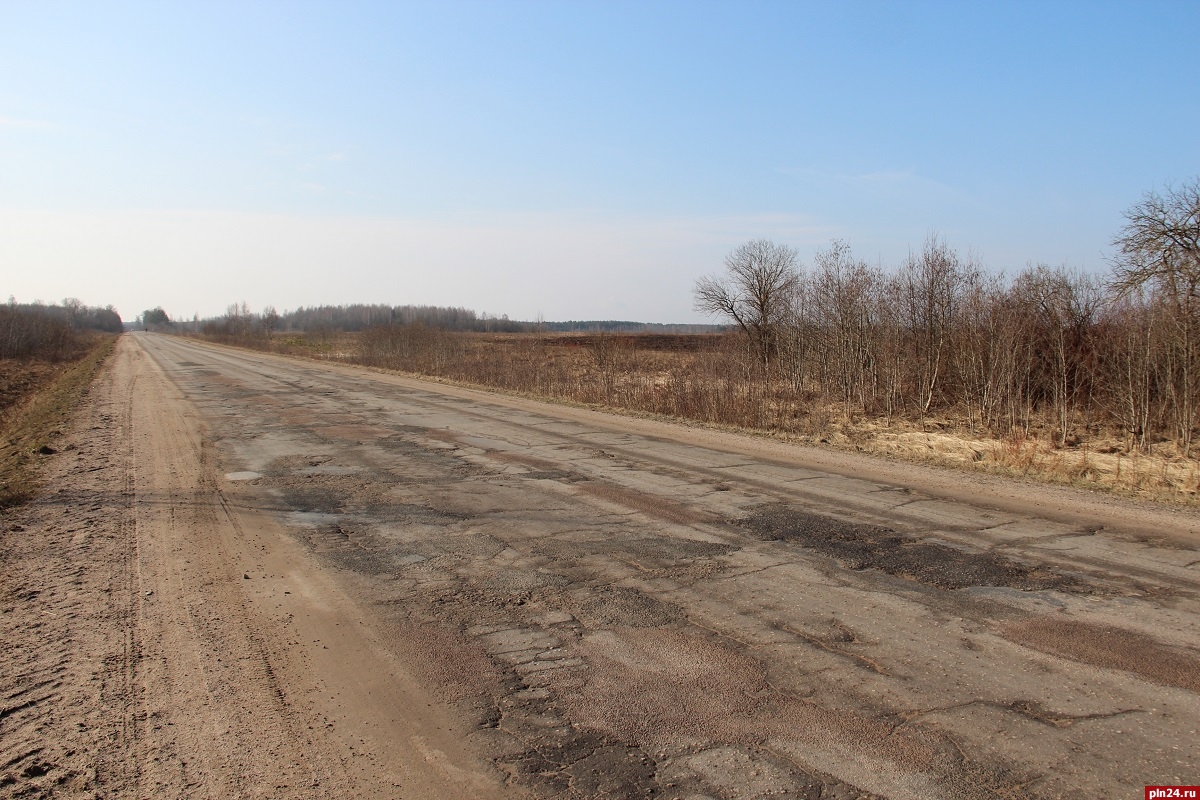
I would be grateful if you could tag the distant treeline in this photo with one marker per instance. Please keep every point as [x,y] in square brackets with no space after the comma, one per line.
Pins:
[358,317]
[51,332]
[623,326]
[239,320]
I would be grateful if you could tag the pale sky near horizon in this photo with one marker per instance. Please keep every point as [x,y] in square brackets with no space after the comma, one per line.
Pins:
[573,160]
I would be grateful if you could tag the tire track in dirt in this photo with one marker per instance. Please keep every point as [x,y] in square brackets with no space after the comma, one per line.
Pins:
[69,616]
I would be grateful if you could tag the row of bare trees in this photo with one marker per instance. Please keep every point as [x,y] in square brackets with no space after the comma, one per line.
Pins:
[1051,349]
[51,332]
[237,324]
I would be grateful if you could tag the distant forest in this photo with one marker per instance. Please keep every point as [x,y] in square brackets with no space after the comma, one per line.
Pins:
[239,319]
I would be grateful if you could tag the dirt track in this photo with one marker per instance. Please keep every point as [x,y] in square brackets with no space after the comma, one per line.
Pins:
[260,577]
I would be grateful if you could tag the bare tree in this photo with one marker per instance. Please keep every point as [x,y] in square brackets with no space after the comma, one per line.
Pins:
[843,296]
[760,277]
[1063,304]
[931,283]
[270,320]
[1159,246]
[1131,352]
[238,319]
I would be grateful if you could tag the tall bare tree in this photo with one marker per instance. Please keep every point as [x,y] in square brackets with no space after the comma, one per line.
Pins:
[930,283]
[270,320]
[1063,305]
[1159,246]
[843,292]
[760,277]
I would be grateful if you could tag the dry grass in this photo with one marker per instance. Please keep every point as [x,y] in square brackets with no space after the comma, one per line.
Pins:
[37,401]
[1105,464]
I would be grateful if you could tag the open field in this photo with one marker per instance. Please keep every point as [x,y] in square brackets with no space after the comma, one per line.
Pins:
[258,576]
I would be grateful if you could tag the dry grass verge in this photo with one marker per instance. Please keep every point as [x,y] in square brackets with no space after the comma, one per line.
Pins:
[1160,473]
[36,401]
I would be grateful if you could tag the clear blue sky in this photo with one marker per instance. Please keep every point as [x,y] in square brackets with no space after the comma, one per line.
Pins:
[569,159]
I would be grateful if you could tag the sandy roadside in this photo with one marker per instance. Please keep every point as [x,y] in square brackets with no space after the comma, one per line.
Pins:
[160,642]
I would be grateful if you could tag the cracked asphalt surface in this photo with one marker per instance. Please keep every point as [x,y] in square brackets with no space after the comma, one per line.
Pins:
[557,602]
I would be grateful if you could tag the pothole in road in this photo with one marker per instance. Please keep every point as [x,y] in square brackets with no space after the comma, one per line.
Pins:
[388,510]
[859,546]
[423,462]
[316,499]
[1109,647]
[521,580]
[328,469]
[745,772]
[651,552]
[579,764]
[621,606]
[561,475]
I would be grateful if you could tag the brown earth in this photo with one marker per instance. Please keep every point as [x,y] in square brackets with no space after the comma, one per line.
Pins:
[19,379]
[254,576]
